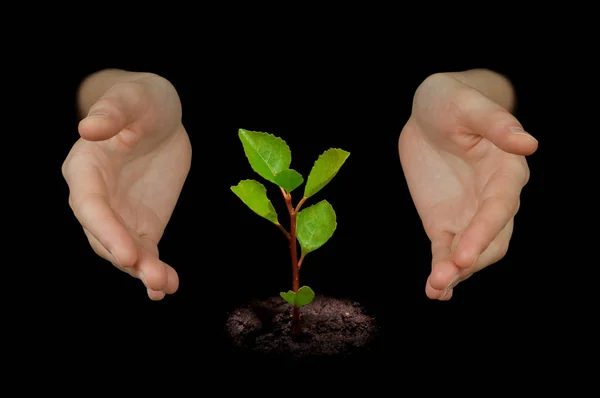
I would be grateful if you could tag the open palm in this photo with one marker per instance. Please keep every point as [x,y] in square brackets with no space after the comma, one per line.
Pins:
[125,175]
[463,158]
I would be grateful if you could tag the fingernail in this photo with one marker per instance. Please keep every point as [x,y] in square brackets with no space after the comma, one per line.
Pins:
[97,114]
[520,131]
[451,286]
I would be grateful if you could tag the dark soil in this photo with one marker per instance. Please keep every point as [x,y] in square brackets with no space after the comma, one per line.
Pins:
[330,328]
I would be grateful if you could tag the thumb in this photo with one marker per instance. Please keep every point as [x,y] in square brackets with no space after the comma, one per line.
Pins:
[491,121]
[118,108]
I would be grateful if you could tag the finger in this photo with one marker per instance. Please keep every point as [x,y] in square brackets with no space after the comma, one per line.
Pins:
[443,269]
[156,274]
[89,203]
[491,121]
[105,254]
[153,272]
[449,290]
[170,286]
[118,108]
[155,295]
[442,273]
[445,274]
[158,283]
[495,251]
[499,202]
[435,294]
[172,281]
[96,216]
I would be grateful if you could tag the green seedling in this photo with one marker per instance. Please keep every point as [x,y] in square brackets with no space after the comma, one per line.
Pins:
[270,157]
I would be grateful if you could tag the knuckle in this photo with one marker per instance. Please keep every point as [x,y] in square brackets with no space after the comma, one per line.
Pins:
[465,104]
[517,207]
[436,79]
[468,104]
[504,205]
[430,85]
[64,168]
[75,204]
[527,172]
[80,204]
[496,251]
[157,79]
[129,91]
[463,101]
[502,248]
[97,250]
[105,104]
[152,80]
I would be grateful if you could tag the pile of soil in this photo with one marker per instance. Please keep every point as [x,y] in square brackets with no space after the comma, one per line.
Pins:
[331,327]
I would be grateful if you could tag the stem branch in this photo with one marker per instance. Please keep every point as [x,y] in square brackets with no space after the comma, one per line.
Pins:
[299,205]
[286,233]
[300,262]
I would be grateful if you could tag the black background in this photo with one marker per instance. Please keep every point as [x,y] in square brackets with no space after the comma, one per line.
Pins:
[350,93]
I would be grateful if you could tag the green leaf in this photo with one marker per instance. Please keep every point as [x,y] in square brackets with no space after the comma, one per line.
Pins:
[315,225]
[305,295]
[289,179]
[268,155]
[254,195]
[290,296]
[325,168]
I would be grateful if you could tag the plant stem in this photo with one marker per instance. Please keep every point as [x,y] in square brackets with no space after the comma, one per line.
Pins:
[300,262]
[296,328]
[300,204]
[295,274]
[287,235]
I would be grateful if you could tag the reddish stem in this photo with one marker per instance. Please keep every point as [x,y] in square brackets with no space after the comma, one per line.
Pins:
[300,262]
[287,235]
[300,204]
[296,328]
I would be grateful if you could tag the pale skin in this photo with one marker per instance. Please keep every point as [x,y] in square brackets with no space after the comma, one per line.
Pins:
[461,150]
[463,155]
[127,170]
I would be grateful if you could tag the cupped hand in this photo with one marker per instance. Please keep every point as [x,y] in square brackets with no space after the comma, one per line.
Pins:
[125,174]
[463,156]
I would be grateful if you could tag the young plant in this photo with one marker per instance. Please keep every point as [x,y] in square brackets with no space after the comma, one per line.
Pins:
[311,227]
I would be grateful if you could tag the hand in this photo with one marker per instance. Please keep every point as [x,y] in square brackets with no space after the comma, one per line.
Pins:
[127,170]
[463,158]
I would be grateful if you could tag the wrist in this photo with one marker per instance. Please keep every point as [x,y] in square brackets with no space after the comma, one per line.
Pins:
[492,84]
